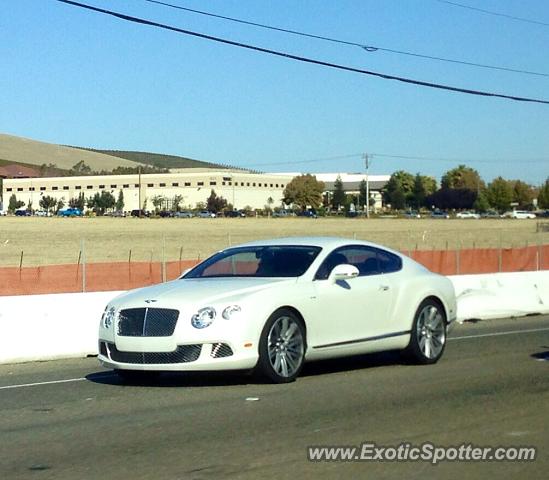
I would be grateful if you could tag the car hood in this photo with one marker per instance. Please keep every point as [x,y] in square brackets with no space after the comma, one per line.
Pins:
[197,290]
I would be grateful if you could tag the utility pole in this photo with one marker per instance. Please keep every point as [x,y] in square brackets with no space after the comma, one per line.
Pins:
[139,192]
[367,165]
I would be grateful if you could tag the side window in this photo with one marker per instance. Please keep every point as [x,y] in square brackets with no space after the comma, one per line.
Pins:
[388,262]
[363,258]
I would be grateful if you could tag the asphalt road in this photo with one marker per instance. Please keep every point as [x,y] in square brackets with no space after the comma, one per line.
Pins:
[71,419]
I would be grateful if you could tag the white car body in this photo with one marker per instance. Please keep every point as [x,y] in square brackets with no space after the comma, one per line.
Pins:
[521,214]
[361,314]
[467,215]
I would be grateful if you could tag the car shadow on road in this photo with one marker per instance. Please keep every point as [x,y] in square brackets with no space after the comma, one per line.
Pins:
[173,379]
[232,378]
[542,356]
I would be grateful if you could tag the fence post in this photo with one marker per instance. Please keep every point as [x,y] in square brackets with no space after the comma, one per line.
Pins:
[164,259]
[458,254]
[500,259]
[83,250]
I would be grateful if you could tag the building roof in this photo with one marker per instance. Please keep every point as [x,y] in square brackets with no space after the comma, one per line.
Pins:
[355,186]
[18,171]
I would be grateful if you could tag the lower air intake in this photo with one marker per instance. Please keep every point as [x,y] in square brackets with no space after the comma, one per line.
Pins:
[182,354]
[221,350]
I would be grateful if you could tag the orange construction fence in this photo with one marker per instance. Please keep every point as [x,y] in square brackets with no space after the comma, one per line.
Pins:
[95,277]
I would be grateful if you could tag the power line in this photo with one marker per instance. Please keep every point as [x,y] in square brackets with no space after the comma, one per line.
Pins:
[491,12]
[367,48]
[303,59]
[408,157]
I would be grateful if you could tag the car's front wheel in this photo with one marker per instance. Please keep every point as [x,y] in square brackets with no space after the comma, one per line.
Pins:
[282,347]
[428,335]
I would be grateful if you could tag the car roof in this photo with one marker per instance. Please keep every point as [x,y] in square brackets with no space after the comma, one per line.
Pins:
[324,242]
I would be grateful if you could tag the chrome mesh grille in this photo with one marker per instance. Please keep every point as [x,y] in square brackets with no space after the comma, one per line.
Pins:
[147,322]
[182,354]
[221,350]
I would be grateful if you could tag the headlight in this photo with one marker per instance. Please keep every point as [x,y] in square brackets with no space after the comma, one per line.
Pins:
[230,311]
[203,318]
[108,317]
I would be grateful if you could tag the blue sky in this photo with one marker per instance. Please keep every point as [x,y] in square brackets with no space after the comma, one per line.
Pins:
[75,77]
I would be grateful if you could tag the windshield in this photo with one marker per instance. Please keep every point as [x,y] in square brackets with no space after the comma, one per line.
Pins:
[266,261]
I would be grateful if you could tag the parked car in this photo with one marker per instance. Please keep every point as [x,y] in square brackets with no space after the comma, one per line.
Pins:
[70,212]
[490,214]
[42,213]
[520,214]
[234,214]
[23,213]
[206,214]
[271,305]
[439,214]
[283,214]
[307,214]
[140,213]
[412,214]
[165,214]
[184,214]
[3,213]
[543,214]
[467,215]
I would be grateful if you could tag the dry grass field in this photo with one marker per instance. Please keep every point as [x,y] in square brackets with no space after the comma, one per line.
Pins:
[48,241]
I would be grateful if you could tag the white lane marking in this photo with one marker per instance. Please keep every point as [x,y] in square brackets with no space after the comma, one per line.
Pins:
[42,383]
[497,334]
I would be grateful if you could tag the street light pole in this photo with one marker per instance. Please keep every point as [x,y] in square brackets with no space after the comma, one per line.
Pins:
[367,164]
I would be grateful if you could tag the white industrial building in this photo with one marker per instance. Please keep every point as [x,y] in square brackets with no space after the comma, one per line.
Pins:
[240,188]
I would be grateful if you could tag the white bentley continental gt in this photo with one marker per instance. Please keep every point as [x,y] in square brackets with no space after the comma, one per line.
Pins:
[272,305]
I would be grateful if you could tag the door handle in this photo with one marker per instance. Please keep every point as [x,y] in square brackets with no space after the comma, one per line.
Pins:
[384,288]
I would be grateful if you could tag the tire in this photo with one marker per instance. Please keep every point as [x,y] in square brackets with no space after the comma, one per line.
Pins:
[136,376]
[282,347]
[428,336]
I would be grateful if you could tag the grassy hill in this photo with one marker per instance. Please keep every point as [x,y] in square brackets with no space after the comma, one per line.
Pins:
[159,160]
[34,153]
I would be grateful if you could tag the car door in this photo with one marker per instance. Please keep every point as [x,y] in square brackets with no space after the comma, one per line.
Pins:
[349,312]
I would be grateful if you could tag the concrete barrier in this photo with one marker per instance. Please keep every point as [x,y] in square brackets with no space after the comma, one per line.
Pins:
[46,327]
[65,325]
[499,295]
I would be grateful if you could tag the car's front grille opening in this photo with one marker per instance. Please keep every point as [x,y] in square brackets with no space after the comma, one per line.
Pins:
[182,354]
[147,322]
[221,350]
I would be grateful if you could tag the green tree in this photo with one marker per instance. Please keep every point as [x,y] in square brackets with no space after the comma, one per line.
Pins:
[78,202]
[543,196]
[481,203]
[215,203]
[304,191]
[158,201]
[81,168]
[176,203]
[419,191]
[101,202]
[60,204]
[339,199]
[399,189]
[462,177]
[523,193]
[47,203]
[14,204]
[500,194]
[120,201]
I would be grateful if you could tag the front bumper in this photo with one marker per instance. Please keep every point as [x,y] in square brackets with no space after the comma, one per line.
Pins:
[186,357]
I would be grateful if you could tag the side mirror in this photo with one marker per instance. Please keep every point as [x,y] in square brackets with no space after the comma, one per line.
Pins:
[343,272]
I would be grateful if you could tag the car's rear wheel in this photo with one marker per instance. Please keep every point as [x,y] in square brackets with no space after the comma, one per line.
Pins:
[428,335]
[282,347]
